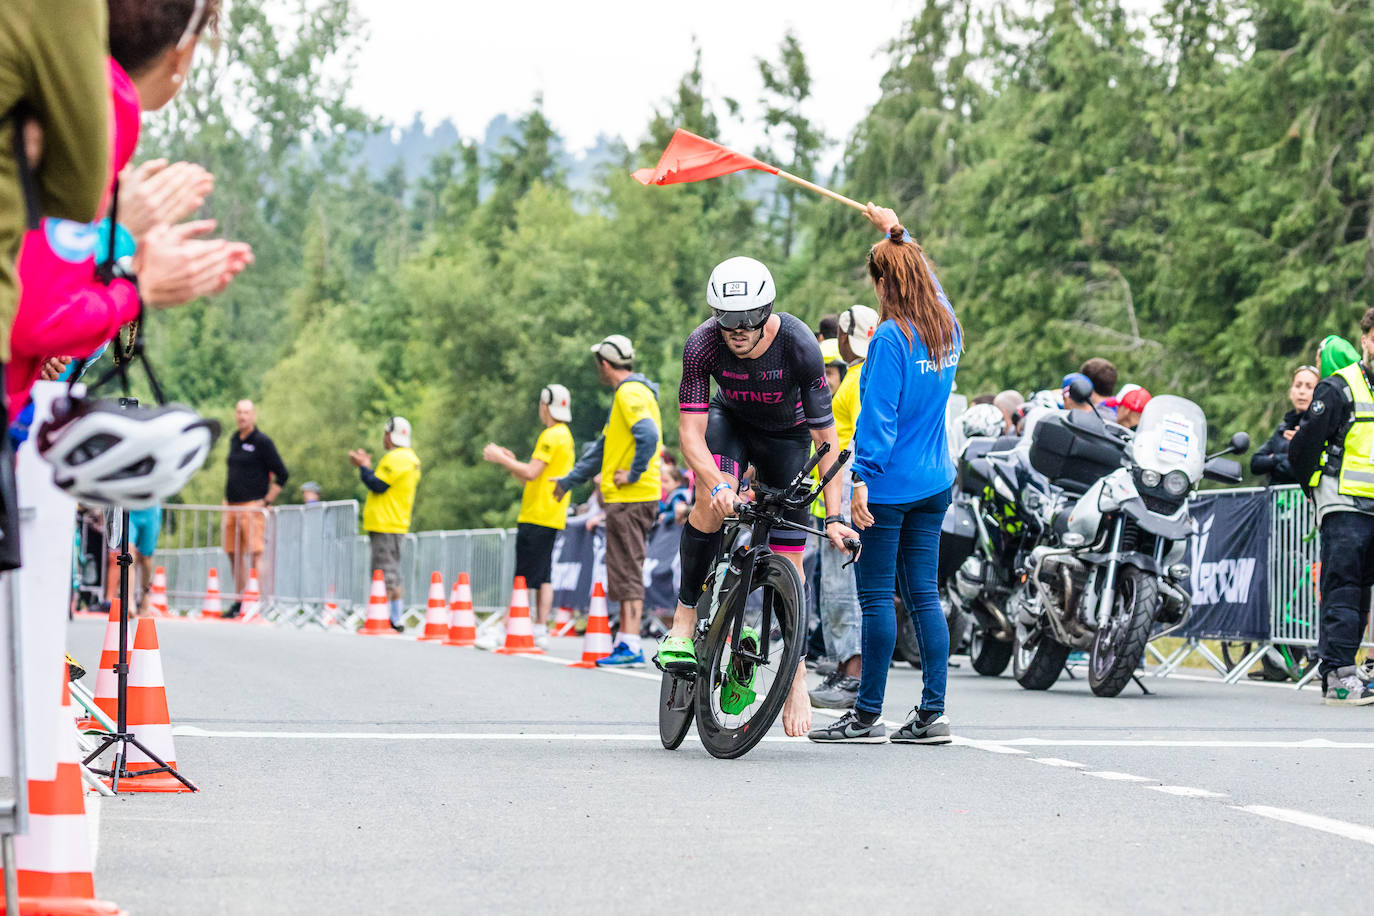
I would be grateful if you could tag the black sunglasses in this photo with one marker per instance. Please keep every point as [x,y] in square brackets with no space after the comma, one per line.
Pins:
[750,320]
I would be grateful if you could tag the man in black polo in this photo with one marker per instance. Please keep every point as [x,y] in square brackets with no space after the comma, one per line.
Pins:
[256,475]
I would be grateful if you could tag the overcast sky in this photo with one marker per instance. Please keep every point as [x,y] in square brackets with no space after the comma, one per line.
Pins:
[603,66]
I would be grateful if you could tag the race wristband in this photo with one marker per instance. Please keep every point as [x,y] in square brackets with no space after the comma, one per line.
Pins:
[723,485]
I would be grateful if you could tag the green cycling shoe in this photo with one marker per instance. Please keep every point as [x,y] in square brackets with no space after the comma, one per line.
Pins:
[677,655]
[737,693]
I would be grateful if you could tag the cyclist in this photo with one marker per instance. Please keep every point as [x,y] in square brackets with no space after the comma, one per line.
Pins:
[771,404]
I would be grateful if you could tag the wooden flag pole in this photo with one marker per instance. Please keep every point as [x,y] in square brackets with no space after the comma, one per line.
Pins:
[826,192]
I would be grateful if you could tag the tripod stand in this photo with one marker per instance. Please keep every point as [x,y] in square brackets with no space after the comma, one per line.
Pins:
[122,737]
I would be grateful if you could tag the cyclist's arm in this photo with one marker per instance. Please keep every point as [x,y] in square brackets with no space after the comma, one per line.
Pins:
[691,436]
[833,493]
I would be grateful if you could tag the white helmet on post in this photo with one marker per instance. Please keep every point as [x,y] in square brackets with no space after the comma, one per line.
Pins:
[741,293]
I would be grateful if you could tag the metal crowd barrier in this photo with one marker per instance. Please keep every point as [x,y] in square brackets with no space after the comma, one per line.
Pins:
[192,543]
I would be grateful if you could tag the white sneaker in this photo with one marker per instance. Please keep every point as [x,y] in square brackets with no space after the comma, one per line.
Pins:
[542,640]
[491,639]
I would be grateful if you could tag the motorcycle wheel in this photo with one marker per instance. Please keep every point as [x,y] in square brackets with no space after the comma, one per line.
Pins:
[907,648]
[1120,642]
[989,656]
[1038,666]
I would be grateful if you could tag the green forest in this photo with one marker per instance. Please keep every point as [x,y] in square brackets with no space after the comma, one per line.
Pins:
[1190,195]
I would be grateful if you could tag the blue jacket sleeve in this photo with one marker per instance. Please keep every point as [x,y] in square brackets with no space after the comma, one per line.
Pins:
[372,481]
[588,465]
[876,431]
[646,439]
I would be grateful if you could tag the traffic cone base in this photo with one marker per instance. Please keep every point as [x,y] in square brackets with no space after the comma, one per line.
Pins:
[462,624]
[436,612]
[157,596]
[519,630]
[378,621]
[251,607]
[596,641]
[210,608]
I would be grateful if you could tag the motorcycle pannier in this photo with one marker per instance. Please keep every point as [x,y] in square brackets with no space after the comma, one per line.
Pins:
[957,536]
[1072,457]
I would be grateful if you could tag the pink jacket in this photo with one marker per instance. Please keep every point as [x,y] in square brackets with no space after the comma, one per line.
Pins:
[63,309]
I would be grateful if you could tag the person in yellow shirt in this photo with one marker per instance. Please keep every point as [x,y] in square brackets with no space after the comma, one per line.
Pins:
[390,499]
[542,515]
[628,456]
[841,616]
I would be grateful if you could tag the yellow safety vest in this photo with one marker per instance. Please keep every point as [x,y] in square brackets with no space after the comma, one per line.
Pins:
[1357,451]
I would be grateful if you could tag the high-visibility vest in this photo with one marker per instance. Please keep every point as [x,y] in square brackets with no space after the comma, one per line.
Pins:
[1356,452]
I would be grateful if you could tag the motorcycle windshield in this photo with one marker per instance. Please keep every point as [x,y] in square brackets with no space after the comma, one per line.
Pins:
[1172,436]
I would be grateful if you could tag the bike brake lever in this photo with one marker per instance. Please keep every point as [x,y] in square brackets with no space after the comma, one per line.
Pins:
[855,548]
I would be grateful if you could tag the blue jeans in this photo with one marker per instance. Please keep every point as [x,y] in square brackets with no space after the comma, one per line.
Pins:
[901,550]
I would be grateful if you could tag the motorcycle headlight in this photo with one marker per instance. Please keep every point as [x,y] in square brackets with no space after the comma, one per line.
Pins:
[1150,478]
[1176,483]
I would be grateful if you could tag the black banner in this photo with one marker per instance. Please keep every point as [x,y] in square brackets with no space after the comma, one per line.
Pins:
[1229,560]
[579,559]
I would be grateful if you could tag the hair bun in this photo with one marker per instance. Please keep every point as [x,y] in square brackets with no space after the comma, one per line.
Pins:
[896,233]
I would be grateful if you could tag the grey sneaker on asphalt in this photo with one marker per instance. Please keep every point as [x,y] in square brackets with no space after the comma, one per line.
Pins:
[849,729]
[1366,671]
[839,691]
[1345,687]
[924,728]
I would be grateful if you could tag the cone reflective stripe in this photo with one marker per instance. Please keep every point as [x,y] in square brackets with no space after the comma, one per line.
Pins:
[519,630]
[378,620]
[564,622]
[106,681]
[54,857]
[210,607]
[148,717]
[252,600]
[331,611]
[596,642]
[158,595]
[436,613]
[462,622]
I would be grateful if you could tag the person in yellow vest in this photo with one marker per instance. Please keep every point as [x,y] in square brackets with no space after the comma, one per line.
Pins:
[390,500]
[628,456]
[1333,452]
[841,615]
[541,516]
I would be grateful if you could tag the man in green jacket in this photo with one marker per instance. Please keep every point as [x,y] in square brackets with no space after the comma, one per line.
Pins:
[52,69]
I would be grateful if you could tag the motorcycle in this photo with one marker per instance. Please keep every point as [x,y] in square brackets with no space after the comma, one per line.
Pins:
[984,539]
[1111,564]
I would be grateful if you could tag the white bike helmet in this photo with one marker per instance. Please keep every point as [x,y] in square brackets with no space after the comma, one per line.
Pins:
[983,420]
[741,293]
[129,457]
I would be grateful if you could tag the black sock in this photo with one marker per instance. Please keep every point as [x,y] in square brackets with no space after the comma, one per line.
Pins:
[696,551]
[865,717]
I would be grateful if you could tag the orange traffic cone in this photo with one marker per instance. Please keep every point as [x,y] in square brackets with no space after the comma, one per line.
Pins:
[330,617]
[210,608]
[564,623]
[158,594]
[519,630]
[251,607]
[106,681]
[54,857]
[436,614]
[462,623]
[149,720]
[378,620]
[596,642]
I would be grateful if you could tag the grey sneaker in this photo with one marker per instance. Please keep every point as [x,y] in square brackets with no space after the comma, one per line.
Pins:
[849,728]
[923,728]
[1366,671]
[838,692]
[1345,687]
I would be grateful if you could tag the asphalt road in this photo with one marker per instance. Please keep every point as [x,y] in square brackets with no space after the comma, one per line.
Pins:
[343,774]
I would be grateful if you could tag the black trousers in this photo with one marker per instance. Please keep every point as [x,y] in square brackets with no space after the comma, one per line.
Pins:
[1347,540]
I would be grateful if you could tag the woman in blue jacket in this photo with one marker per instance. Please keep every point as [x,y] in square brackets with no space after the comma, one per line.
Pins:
[902,478]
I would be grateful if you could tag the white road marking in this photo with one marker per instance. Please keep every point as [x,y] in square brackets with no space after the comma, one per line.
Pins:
[1187,791]
[93,825]
[1114,776]
[1314,821]
[190,731]
[1056,762]
[1306,744]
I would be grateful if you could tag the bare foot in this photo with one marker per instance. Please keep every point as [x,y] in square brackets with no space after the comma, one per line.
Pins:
[796,710]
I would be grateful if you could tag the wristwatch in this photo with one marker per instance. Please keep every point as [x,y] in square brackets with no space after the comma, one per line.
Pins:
[856,480]
[830,519]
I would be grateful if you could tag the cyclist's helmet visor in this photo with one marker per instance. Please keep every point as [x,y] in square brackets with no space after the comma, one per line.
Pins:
[748,320]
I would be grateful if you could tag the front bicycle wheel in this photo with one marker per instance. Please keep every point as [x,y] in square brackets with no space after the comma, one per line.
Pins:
[737,699]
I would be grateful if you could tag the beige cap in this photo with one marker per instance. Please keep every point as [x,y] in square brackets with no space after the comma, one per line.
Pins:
[859,322]
[559,401]
[616,350]
[399,428]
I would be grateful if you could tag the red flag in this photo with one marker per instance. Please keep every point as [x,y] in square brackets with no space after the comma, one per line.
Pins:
[692,158]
